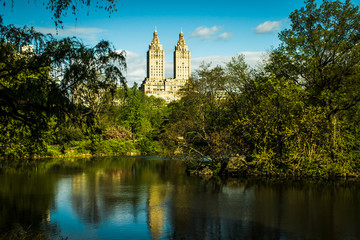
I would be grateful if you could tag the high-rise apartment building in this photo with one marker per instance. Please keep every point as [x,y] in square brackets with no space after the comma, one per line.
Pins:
[155,83]
[155,59]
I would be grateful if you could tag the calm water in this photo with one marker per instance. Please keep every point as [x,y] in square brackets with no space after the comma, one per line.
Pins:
[147,198]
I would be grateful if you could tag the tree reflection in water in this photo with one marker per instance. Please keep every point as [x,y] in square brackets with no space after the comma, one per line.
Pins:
[112,198]
[26,199]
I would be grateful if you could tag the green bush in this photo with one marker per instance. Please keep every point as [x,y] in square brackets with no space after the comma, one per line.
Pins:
[114,146]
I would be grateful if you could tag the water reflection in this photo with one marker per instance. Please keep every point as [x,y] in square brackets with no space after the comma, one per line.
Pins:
[26,200]
[120,198]
[156,210]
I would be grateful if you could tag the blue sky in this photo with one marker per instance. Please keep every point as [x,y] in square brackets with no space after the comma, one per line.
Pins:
[214,30]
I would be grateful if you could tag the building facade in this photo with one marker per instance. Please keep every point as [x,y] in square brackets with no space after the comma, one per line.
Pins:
[155,84]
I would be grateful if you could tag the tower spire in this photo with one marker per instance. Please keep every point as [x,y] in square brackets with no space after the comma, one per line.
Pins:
[156,59]
[181,42]
[155,41]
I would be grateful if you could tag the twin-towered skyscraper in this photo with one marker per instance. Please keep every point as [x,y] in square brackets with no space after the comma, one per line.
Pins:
[155,83]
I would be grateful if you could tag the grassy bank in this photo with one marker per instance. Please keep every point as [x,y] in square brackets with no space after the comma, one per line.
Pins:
[96,148]
[104,147]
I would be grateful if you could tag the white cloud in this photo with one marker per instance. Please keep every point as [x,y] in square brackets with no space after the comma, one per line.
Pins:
[91,34]
[225,36]
[269,27]
[136,68]
[204,33]
[251,58]
[214,60]
[254,58]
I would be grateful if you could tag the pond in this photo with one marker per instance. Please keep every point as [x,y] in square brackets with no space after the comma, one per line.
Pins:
[153,198]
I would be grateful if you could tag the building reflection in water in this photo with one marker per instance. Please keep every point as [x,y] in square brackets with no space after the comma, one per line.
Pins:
[85,197]
[157,210]
[96,195]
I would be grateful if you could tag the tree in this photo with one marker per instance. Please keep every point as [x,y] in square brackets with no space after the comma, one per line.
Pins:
[39,84]
[200,123]
[142,115]
[320,52]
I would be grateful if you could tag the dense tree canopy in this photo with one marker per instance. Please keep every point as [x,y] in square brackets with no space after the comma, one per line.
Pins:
[297,114]
[321,53]
[40,78]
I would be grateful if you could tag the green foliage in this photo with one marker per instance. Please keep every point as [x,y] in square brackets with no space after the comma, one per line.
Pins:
[320,53]
[149,146]
[129,123]
[146,146]
[113,146]
[141,114]
[43,89]
[202,119]
[137,117]
[17,140]
[296,115]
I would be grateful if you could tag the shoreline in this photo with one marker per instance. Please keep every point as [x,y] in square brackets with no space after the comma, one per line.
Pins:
[238,167]
[205,169]
[86,155]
